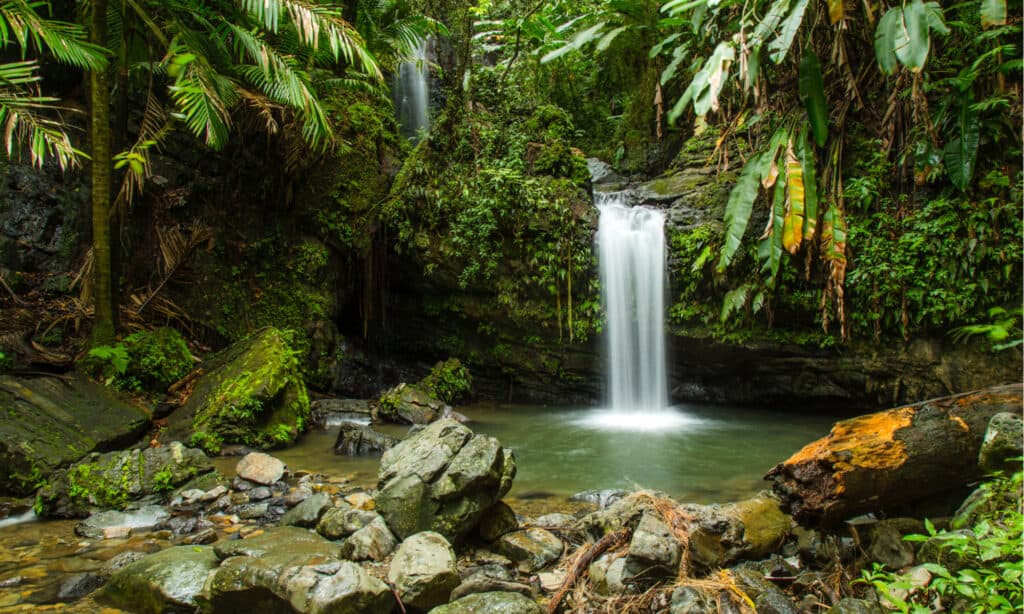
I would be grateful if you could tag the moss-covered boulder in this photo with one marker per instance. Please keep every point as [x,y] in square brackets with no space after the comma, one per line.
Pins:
[46,423]
[167,581]
[114,479]
[409,404]
[251,393]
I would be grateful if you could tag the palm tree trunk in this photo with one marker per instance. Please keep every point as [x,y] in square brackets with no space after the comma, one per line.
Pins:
[105,319]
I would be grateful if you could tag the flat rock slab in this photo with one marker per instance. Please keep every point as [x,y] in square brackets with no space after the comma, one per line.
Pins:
[46,423]
[260,468]
[531,549]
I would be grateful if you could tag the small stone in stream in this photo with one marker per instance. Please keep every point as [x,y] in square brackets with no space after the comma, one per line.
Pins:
[206,536]
[120,560]
[214,493]
[308,512]
[260,493]
[242,485]
[78,586]
[551,581]
[192,495]
[556,520]
[260,468]
[297,496]
[116,532]
[11,582]
[691,600]
[120,524]
[371,543]
[361,501]
[601,498]
[251,511]
[239,498]
[181,525]
[531,549]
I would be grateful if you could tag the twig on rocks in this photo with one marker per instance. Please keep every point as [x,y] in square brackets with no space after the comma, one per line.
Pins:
[583,561]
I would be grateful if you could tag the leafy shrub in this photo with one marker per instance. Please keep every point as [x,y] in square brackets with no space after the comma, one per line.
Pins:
[146,360]
[980,569]
[449,381]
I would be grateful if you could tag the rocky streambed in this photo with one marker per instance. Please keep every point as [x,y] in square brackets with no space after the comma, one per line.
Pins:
[435,535]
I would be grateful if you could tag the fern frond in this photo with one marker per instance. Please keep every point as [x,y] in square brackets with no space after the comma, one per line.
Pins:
[20,23]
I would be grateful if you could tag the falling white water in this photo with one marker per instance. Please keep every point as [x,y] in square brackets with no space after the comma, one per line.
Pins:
[412,95]
[631,254]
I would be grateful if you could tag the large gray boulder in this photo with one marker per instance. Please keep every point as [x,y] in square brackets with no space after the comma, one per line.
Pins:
[114,479]
[424,571]
[288,569]
[169,580]
[50,423]
[442,479]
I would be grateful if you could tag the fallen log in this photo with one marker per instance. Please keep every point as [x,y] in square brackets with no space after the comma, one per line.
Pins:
[891,460]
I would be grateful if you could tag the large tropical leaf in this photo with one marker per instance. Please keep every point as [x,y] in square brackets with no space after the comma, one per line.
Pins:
[22,122]
[885,40]
[806,155]
[707,84]
[993,13]
[912,41]
[739,207]
[961,153]
[781,44]
[793,223]
[582,38]
[203,98]
[813,94]
[769,249]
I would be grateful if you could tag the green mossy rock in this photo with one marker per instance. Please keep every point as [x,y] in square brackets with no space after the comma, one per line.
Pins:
[167,581]
[409,404]
[113,479]
[251,393]
[46,423]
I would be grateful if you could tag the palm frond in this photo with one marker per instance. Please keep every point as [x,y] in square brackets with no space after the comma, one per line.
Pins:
[203,97]
[22,122]
[154,128]
[20,23]
[316,25]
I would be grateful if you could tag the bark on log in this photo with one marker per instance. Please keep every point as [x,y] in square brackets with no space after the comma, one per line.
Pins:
[891,459]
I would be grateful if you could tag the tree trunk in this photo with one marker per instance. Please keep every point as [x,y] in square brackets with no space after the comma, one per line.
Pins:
[891,460]
[105,318]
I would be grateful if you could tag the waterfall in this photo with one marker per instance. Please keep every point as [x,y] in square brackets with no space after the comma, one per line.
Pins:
[631,255]
[411,94]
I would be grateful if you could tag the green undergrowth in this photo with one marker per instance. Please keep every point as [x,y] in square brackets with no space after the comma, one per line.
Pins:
[144,361]
[448,380]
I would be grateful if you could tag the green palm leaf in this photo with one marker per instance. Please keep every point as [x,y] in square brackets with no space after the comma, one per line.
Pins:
[21,23]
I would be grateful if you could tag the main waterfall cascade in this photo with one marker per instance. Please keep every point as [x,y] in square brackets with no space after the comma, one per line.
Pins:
[631,256]
[411,93]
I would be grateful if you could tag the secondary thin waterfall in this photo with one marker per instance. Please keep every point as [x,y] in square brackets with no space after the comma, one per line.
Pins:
[631,254]
[411,93]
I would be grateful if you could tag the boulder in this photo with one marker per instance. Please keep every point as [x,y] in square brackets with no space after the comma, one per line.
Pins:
[409,404]
[344,520]
[424,571]
[114,479]
[251,393]
[356,439]
[50,423]
[168,580]
[654,545]
[1003,441]
[370,543]
[530,549]
[260,468]
[443,479]
[692,600]
[290,569]
[498,520]
[308,512]
[723,534]
[492,603]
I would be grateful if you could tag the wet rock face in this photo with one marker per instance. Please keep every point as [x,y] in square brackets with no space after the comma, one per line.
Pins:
[39,218]
[49,423]
[360,439]
[409,404]
[442,479]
